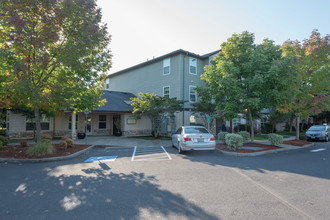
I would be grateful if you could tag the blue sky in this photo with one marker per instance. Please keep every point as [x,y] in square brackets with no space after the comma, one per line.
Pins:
[143,29]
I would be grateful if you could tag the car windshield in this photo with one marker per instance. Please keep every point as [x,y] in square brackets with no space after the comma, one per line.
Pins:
[317,128]
[195,130]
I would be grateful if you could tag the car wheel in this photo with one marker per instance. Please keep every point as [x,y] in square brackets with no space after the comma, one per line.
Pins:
[179,148]
[173,144]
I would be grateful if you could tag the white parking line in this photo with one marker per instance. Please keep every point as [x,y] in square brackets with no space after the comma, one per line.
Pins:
[134,153]
[317,150]
[150,153]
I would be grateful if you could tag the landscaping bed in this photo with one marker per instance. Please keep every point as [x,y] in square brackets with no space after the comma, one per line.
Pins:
[18,152]
[264,147]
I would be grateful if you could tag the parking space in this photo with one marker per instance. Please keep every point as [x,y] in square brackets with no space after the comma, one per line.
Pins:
[150,153]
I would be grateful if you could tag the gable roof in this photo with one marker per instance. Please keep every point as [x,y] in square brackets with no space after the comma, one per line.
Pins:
[180,51]
[116,102]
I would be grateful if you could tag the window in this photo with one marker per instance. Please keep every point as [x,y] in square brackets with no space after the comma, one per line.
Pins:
[166,91]
[70,122]
[107,84]
[192,94]
[166,66]
[31,123]
[193,66]
[102,121]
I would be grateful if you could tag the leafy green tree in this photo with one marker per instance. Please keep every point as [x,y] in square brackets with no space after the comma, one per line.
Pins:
[154,106]
[53,54]
[312,91]
[247,77]
[205,106]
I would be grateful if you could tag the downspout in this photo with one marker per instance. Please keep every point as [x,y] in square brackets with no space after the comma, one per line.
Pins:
[184,57]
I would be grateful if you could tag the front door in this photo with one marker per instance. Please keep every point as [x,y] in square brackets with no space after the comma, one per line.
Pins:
[116,125]
[89,125]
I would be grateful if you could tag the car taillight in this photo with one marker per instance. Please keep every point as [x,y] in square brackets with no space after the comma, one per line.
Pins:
[212,139]
[187,139]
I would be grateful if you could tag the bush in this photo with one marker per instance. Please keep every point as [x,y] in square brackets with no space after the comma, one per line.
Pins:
[266,128]
[275,139]
[242,127]
[222,135]
[234,141]
[40,149]
[63,144]
[1,145]
[4,140]
[68,141]
[24,144]
[46,138]
[245,135]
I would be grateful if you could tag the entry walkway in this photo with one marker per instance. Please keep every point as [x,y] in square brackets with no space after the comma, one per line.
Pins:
[122,141]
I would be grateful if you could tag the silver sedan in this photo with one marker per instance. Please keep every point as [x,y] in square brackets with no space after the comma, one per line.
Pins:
[193,138]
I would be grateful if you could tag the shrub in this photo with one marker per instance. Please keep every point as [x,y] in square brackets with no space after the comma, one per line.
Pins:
[222,135]
[234,141]
[4,140]
[63,144]
[242,127]
[266,128]
[275,139]
[68,141]
[40,149]
[1,145]
[46,138]
[24,144]
[245,135]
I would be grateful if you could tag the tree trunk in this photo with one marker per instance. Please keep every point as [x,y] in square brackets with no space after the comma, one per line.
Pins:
[297,128]
[38,125]
[252,126]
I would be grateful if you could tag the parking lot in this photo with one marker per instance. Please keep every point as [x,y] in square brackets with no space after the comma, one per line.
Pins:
[153,181]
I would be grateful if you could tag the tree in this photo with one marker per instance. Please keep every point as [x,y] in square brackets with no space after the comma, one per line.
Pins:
[312,91]
[55,52]
[246,77]
[155,106]
[205,106]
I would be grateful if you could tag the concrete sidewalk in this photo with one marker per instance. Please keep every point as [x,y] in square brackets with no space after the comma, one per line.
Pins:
[122,141]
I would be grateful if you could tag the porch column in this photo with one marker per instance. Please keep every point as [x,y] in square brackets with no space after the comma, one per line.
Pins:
[73,126]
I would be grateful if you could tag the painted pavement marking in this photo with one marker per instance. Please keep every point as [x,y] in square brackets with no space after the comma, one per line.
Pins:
[150,153]
[317,150]
[101,158]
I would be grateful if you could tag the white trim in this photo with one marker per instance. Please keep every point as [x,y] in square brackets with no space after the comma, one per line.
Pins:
[190,61]
[169,91]
[190,91]
[165,64]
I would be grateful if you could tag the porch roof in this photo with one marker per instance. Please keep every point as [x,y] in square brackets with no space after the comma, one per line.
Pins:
[116,102]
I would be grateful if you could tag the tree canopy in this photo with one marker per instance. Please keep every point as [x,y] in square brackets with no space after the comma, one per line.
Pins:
[154,106]
[311,65]
[246,77]
[52,54]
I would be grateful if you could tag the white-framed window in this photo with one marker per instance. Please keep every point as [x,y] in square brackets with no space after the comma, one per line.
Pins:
[166,91]
[30,123]
[166,66]
[107,83]
[192,94]
[102,121]
[70,122]
[192,66]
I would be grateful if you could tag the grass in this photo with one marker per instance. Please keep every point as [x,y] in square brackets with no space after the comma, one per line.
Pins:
[153,138]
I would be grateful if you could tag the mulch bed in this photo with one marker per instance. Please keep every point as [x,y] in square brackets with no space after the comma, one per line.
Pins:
[18,152]
[264,147]
[298,143]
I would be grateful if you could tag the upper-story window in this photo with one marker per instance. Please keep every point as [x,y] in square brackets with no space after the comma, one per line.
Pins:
[166,91]
[192,94]
[166,66]
[193,66]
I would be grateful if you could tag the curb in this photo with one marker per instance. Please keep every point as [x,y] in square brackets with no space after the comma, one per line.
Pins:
[266,151]
[49,159]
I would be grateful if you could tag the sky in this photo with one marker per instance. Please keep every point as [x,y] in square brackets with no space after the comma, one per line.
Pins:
[143,29]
